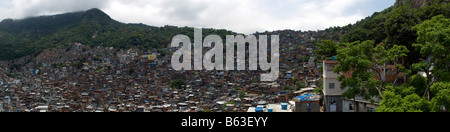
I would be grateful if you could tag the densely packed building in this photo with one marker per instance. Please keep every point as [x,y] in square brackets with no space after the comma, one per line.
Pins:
[85,78]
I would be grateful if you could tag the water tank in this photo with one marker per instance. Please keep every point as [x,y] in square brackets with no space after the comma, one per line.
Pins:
[270,109]
[284,106]
[259,109]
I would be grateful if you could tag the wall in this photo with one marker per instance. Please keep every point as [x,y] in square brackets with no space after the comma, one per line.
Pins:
[337,87]
[329,99]
[346,104]
[330,77]
[362,106]
[302,106]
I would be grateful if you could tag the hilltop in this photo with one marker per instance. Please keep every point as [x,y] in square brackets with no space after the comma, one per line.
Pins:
[419,3]
[92,27]
[414,3]
[29,36]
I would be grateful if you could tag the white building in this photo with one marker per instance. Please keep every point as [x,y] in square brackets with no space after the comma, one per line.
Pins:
[333,100]
[331,88]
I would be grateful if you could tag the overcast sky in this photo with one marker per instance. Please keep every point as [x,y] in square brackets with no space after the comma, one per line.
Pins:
[244,16]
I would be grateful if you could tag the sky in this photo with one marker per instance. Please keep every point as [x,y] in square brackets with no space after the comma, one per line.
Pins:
[243,16]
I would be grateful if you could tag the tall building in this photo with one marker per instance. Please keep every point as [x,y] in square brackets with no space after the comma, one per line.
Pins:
[333,100]
[331,88]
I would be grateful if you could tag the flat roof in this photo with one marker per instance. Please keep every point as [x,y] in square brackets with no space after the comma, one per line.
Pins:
[251,109]
[303,90]
[329,62]
[275,108]
[308,97]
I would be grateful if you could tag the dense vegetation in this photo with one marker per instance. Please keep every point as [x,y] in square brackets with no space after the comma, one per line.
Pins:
[413,40]
[93,27]
[410,38]
[393,26]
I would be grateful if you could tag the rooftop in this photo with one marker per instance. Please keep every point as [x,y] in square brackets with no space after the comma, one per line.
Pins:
[329,62]
[308,97]
[275,107]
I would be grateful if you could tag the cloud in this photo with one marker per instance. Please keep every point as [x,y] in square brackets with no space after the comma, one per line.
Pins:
[245,16]
[28,8]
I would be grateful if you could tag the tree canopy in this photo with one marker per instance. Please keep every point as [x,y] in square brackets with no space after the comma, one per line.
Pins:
[326,48]
[93,27]
[413,40]
[363,62]
[177,83]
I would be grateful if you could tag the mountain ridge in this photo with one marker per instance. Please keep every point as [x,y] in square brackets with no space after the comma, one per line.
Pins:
[92,27]
[418,3]
[96,28]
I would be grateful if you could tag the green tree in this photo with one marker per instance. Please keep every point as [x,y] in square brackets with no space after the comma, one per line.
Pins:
[441,96]
[241,93]
[434,45]
[364,62]
[382,57]
[224,106]
[326,48]
[299,85]
[402,99]
[318,90]
[419,82]
[370,28]
[177,83]
[398,27]
[92,27]
[357,34]
[335,36]
[356,58]
[390,102]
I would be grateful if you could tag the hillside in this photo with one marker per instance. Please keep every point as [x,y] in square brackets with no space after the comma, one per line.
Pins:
[393,26]
[412,37]
[414,3]
[29,36]
[93,27]
[418,3]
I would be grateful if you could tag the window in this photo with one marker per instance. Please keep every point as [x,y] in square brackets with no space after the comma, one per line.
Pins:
[331,86]
[350,107]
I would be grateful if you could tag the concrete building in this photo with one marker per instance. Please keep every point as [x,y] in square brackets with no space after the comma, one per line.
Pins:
[307,102]
[283,107]
[86,78]
[331,88]
[333,100]
[359,105]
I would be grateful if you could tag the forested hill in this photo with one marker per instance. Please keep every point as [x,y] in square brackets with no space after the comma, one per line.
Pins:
[413,37]
[393,26]
[29,36]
